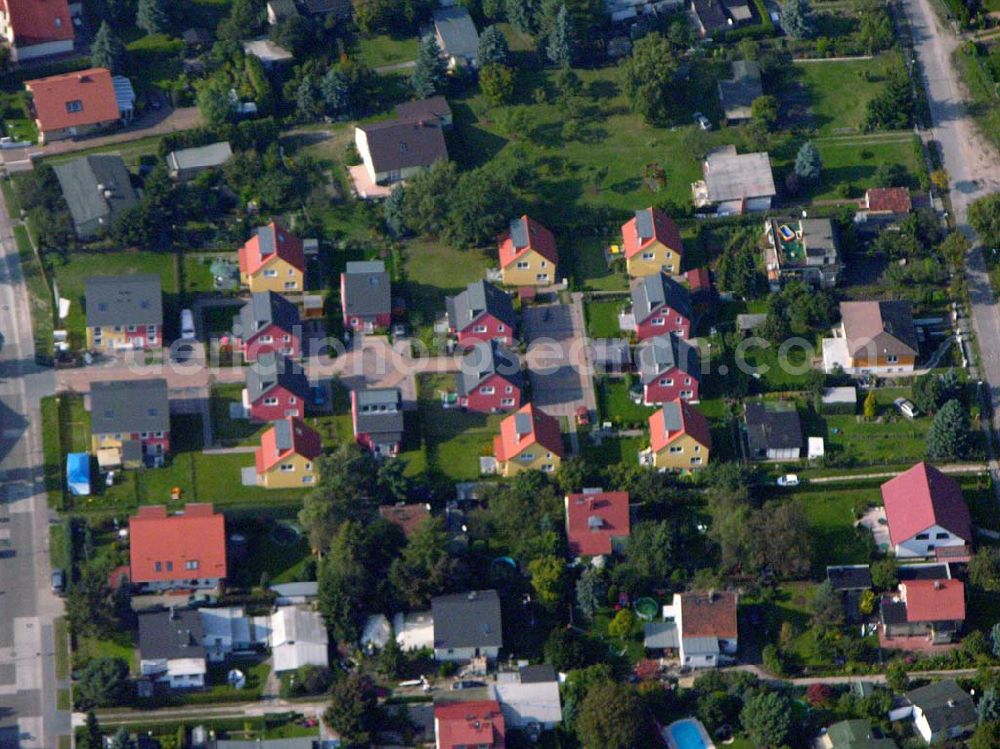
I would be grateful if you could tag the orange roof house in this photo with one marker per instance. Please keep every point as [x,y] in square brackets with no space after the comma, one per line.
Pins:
[652,244]
[272,260]
[529,439]
[528,254]
[74,103]
[477,723]
[287,453]
[679,437]
[888,201]
[187,550]
[36,28]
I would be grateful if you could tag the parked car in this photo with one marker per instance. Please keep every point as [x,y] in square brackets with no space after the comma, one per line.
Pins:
[906,408]
[789,479]
[702,121]
[58,581]
[187,325]
[467,684]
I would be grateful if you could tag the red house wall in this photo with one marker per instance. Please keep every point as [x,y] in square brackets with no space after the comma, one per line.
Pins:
[495,330]
[142,331]
[253,348]
[654,392]
[287,401]
[646,329]
[482,403]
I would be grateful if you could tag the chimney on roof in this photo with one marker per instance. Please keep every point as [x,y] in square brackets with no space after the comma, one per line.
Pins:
[938,585]
[951,703]
[711,595]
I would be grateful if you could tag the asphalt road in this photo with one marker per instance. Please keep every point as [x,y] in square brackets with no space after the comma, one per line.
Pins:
[28,716]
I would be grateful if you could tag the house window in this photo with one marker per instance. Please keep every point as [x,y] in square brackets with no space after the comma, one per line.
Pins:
[697,448]
[170,566]
[545,264]
[541,276]
[657,321]
[892,359]
[676,449]
[270,401]
[666,382]
[648,255]
[291,400]
[191,564]
[479,329]
[686,393]
[309,466]
[266,339]
[523,265]
[942,535]
[922,536]
[509,389]
[669,254]
[144,435]
[131,328]
[487,390]
[291,284]
[679,321]
[308,479]
[695,461]
[501,329]
[287,467]
[158,566]
[151,329]
[527,457]
[291,271]
[97,331]
[507,402]
[74,105]
[287,339]
[270,273]
[687,380]
[158,434]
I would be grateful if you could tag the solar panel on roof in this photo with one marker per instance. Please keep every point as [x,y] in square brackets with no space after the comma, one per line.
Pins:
[522,423]
[283,435]
[672,420]
[519,232]
[644,224]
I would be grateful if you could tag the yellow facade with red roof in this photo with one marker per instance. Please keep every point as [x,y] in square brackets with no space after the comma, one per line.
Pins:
[273,260]
[652,243]
[679,437]
[528,254]
[529,439]
[286,458]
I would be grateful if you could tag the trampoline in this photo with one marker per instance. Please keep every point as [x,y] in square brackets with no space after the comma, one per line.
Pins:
[646,608]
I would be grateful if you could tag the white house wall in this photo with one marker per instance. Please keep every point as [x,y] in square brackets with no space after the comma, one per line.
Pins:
[914,547]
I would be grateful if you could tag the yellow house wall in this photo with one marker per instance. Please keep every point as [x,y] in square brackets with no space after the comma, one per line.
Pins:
[259,282]
[682,460]
[514,466]
[514,276]
[278,479]
[110,339]
[663,257]
[101,441]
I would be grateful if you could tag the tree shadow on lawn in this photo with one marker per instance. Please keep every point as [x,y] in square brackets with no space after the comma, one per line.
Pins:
[470,144]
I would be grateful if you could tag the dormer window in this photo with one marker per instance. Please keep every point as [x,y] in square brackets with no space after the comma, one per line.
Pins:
[74,106]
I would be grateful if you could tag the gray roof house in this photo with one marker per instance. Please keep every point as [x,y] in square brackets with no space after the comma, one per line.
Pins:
[377,415]
[189,162]
[483,361]
[264,309]
[270,371]
[650,293]
[739,92]
[97,190]
[942,710]
[457,36]
[172,647]
[805,249]
[366,294]
[129,406]
[298,638]
[394,150]
[734,183]
[528,697]
[467,625]
[134,299]
[774,431]
[479,299]
[654,356]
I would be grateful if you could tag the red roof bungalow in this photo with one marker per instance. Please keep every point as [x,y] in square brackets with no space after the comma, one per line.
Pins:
[463,725]
[272,260]
[490,379]
[660,305]
[923,613]
[700,283]
[73,104]
[597,522]
[36,28]
[183,551]
[528,439]
[926,514]
[528,254]
[888,201]
[481,313]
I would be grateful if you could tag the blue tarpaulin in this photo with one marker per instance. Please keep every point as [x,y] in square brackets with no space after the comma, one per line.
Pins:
[78,474]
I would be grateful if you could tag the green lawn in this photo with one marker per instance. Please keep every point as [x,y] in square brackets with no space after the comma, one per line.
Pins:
[88,648]
[229,431]
[380,49]
[840,91]
[615,405]
[583,261]
[39,294]
[61,639]
[985,104]
[831,513]
[154,61]
[132,152]
[16,117]
[434,271]
[602,317]
[281,556]
[612,451]
[198,272]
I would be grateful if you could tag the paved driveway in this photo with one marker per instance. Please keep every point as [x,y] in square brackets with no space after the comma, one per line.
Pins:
[557,362]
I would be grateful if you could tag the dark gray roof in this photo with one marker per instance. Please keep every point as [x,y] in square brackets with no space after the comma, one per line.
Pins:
[129,406]
[892,612]
[163,634]
[263,309]
[711,14]
[283,435]
[611,352]
[739,92]
[771,429]
[95,188]
[271,370]
[486,359]
[907,572]
[436,107]
[539,674]
[380,411]
[459,37]
[403,144]
[479,298]
[339,8]
[133,299]
[652,292]
[660,635]
[654,356]
[367,291]
[945,705]
[467,620]
[850,577]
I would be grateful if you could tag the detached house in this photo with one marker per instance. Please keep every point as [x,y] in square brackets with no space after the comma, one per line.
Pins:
[97,190]
[377,417]
[921,613]
[366,296]
[739,92]
[528,439]
[475,724]
[124,312]
[185,551]
[773,431]
[481,313]
[456,34]
[267,324]
[73,104]
[298,638]
[734,184]
[679,438]
[926,514]
[597,522]
[276,389]
[287,455]
[873,338]
[130,422]
[529,697]
[467,626]
[528,254]
[36,28]
[490,379]
[395,150]
[660,305]
[652,244]
[887,202]
[172,648]
[802,250]
[272,260]
[706,626]
[668,368]
[942,710]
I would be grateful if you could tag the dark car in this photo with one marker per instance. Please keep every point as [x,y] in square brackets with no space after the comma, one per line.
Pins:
[468,684]
[58,581]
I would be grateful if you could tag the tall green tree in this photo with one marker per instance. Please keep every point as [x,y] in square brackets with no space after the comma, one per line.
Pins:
[612,716]
[392,212]
[559,49]
[548,578]
[91,736]
[107,50]
[343,583]
[122,739]
[648,78]
[431,73]
[523,14]
[984,569]
[797,18]
[353,712]
[948,437]
[984,217]
[151,16]
[591,590]
[104,682]
[306,100]
[347,490]
[493,47]
[766,717]
[808,164]
[425,567]
[245,19]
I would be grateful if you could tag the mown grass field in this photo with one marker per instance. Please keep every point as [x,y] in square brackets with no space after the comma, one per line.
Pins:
[839,91]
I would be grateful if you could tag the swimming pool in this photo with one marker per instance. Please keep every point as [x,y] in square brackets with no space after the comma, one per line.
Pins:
[688,733]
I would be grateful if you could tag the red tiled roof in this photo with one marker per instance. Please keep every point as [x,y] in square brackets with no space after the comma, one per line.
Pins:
[692,423]
[477,723]
[407,517]
[699,279]
[197,535]
[665,231]
[540,239]
[545,431]
[921,497]
[278,243]
[888,200]
[934,600]
[38,21]
[305,442]
[90,91]
[709,614]
[593,520]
